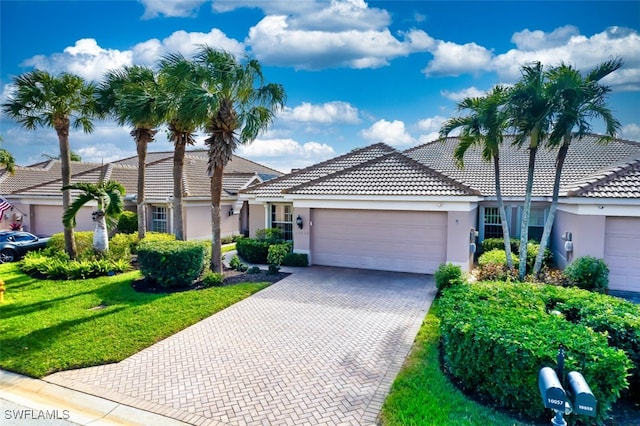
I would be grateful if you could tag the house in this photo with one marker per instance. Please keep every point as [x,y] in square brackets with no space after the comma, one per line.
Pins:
[34,192]
[410,211]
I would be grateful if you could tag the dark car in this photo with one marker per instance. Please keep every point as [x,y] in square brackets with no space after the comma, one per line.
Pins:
[14,244]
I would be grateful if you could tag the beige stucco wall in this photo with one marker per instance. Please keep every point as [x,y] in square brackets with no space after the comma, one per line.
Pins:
[198,222]
[459,227]
[302,237]
[257,218]
[47,220]
[588,233]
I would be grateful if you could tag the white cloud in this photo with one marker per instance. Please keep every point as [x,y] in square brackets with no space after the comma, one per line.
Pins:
[469,92]
[453,59]
[631,131]
[327,113]
[170,8]
[392,133]
[431,124]
[342,15]
[285,154]
[527,40]
[274,41]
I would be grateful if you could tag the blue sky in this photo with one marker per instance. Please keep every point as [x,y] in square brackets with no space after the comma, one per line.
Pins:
[355,72]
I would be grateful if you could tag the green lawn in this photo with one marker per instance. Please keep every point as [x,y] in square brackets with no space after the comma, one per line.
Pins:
[48,326]
[422,395]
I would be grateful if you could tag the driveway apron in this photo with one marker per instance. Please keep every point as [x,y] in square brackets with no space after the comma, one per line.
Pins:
[322,346]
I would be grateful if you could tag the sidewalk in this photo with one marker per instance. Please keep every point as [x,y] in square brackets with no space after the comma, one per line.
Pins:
[27,401]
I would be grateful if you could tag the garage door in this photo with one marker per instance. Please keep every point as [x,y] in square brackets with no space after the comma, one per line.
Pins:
[622,252]
[384,240]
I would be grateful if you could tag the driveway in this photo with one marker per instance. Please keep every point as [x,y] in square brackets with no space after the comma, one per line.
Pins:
[322,346]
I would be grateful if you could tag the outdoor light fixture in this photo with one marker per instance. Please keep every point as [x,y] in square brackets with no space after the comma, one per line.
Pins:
[299,221]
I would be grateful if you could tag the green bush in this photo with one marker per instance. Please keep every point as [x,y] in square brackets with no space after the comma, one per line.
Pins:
[158,236]
[269,234]
[588,273]
[60,267]
[212,279]
[532,253]
[497,336]
[173,263]
[447,275]
[253,270]
[253,250]
[128,222]
[276,254]
[296,259]
[121,246]
[489,244]
[496,257]
[234,262]
[84,245]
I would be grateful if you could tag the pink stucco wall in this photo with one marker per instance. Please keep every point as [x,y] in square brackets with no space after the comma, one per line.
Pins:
[588,234]
[198,222]
[302,237]
[256,218]
[459,226]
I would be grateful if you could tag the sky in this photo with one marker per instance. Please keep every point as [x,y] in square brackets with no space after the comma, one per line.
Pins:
[355,72]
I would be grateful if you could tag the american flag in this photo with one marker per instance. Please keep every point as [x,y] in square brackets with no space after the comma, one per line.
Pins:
[4,206]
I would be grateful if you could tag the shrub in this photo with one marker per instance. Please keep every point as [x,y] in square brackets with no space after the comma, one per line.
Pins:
[276,255]
[121,246]
[128,222]
[493,272]
[269,234]
[588,273]
[235,262]
[84,244]
[489,244]
[447,275]
[158,236]
[173,263]
[253,250]
[253,270]
[496,257]
[532,253]
[295,259]
[212,279]
[497,336]
[242,267]
[60,267]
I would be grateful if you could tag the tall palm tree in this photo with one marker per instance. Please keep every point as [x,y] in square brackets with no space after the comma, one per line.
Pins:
[577,100]
[108,196]
[236,104]
[529,108]
[178,78]
[484,126]
[59,102]
[6,160]
[131,94]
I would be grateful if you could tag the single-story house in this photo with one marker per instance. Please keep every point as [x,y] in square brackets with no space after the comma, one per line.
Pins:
[34,192]
[412,210]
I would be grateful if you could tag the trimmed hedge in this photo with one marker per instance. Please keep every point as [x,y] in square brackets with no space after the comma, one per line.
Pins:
[496,337]
[252,250]
[173,263]
[588,273]
[447,275]
[296,259]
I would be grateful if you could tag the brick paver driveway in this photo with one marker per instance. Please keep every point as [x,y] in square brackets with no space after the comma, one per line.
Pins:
[319,347]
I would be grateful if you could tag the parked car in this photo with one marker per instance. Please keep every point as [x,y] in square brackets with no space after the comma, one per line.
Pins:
[14,244]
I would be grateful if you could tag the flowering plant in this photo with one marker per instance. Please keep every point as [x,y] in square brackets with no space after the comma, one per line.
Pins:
[15,226]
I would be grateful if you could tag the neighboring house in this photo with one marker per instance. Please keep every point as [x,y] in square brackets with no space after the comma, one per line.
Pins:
[410,211]
[34,192]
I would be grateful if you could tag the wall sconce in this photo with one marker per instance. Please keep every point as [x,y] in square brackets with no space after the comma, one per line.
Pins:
[299,221]
[231,211]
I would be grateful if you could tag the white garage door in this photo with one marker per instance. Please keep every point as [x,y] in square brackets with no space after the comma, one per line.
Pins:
[383,240]
[622,252]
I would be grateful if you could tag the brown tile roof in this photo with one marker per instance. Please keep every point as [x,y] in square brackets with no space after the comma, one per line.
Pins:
[391,174]
[619,181]
[274,187]
[585,157]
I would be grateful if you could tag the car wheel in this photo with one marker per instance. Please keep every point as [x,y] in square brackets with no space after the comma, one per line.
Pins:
[7,255]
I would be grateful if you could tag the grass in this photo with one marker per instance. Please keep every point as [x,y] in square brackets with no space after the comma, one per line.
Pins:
[228,247]
[48,325]
[422,395]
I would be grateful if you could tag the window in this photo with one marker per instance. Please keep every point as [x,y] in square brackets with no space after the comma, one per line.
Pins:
[536,223]
[492,223]
[159,220]
[282,218]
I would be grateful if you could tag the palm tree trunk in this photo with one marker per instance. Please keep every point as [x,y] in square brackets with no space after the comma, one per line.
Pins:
[216,196]
[526,210]
[548,225]
[503,213]
[141,209]
[178,166]
[65,163]
[100,236]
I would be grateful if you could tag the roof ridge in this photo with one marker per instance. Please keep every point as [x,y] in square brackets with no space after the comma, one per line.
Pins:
[399,155]
[253,162]
[603,176]
[317,165]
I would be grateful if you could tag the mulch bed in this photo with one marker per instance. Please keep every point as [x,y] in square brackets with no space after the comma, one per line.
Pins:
[231,277]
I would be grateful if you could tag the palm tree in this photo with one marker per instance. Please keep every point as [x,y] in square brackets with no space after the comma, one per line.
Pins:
[178,78]
[59,102]
[108,196]
[484,126]
[131,94]
[6,160]
[529,109]
[236,104]
[578,100]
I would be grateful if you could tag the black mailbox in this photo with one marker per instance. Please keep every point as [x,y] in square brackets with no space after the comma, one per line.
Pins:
[551,390]
[583,400]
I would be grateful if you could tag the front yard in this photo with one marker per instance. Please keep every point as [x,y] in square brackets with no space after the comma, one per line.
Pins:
[50,325]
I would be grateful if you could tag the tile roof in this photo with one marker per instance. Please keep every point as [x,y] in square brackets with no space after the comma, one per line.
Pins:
[274,187]
[390,174]
[618,181]
[585,157]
